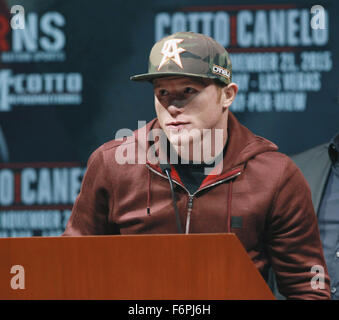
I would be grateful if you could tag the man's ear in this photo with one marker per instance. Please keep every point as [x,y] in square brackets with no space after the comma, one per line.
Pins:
[230,91]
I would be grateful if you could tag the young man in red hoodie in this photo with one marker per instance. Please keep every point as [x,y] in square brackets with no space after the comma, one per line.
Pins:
[226,178]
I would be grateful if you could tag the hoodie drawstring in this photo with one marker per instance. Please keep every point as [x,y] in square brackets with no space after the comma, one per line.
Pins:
[229,203]
[149,193]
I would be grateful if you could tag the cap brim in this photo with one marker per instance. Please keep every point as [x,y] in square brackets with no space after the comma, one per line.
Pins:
[151,76]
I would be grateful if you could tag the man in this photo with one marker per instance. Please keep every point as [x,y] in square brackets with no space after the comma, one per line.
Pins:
[251,189]
[320,166]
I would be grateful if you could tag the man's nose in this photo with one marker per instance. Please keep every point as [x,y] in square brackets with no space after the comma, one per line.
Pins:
[175,109]
[178,102]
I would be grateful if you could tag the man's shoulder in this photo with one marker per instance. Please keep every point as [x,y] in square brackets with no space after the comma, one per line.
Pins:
[276,158]
[319,149]
[108,149]
[311,155]
[274,165]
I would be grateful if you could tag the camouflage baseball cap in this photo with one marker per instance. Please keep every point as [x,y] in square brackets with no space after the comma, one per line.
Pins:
[188,54]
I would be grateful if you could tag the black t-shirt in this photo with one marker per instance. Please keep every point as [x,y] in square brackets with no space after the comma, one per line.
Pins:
[192,175]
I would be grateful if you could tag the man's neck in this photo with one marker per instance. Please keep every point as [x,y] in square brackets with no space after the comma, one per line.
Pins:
[212,159]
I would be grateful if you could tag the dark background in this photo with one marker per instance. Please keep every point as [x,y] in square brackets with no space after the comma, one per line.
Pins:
[108,41]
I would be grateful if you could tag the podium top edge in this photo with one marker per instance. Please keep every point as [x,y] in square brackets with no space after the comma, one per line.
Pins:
[174,235]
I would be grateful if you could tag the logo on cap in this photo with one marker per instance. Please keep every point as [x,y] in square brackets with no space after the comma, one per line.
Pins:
[171,51]
[221,71]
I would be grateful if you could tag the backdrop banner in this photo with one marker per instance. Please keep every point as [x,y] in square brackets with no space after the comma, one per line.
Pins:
[65,88]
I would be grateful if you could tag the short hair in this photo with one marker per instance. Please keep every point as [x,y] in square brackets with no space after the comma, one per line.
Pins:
[220,83]
[220,86]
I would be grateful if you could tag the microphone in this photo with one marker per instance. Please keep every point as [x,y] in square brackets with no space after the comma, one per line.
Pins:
[166,169]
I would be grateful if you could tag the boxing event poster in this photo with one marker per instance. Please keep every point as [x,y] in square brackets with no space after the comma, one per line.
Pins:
[65,88]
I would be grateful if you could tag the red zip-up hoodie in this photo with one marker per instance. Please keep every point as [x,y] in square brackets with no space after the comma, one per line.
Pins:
[260,195]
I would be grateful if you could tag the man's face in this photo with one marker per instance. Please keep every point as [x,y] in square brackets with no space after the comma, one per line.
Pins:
[184,103]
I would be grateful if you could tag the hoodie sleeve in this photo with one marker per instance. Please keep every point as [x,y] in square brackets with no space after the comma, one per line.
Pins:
[91,208]
[293,239]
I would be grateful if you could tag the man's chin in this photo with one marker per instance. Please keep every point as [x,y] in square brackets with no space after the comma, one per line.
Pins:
[181,140]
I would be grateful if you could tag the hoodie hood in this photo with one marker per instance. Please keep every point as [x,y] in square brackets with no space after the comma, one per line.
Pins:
[242,144]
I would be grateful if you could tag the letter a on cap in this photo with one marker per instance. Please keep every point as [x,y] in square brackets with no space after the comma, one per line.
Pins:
[171,51]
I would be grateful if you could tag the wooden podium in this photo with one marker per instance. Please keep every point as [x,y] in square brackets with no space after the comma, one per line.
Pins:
[133,267]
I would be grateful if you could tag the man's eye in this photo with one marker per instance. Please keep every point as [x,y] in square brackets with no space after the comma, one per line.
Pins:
[189,90]
[163,92]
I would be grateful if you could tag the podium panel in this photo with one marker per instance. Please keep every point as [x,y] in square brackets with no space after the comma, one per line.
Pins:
[129,267]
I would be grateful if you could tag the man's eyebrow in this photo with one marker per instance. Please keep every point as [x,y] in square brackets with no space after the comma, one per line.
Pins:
[156,86]
[195,81]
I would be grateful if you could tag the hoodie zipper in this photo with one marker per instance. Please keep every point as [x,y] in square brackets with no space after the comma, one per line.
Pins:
[189,210]
[191,196]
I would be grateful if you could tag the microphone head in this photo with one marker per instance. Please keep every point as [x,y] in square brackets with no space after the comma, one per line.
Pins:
[165,167]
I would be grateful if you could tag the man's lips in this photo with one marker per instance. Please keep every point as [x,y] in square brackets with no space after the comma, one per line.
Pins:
[176,125]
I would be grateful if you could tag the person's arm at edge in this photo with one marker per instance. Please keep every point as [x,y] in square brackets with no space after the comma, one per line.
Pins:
[91,208]
[294,241]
